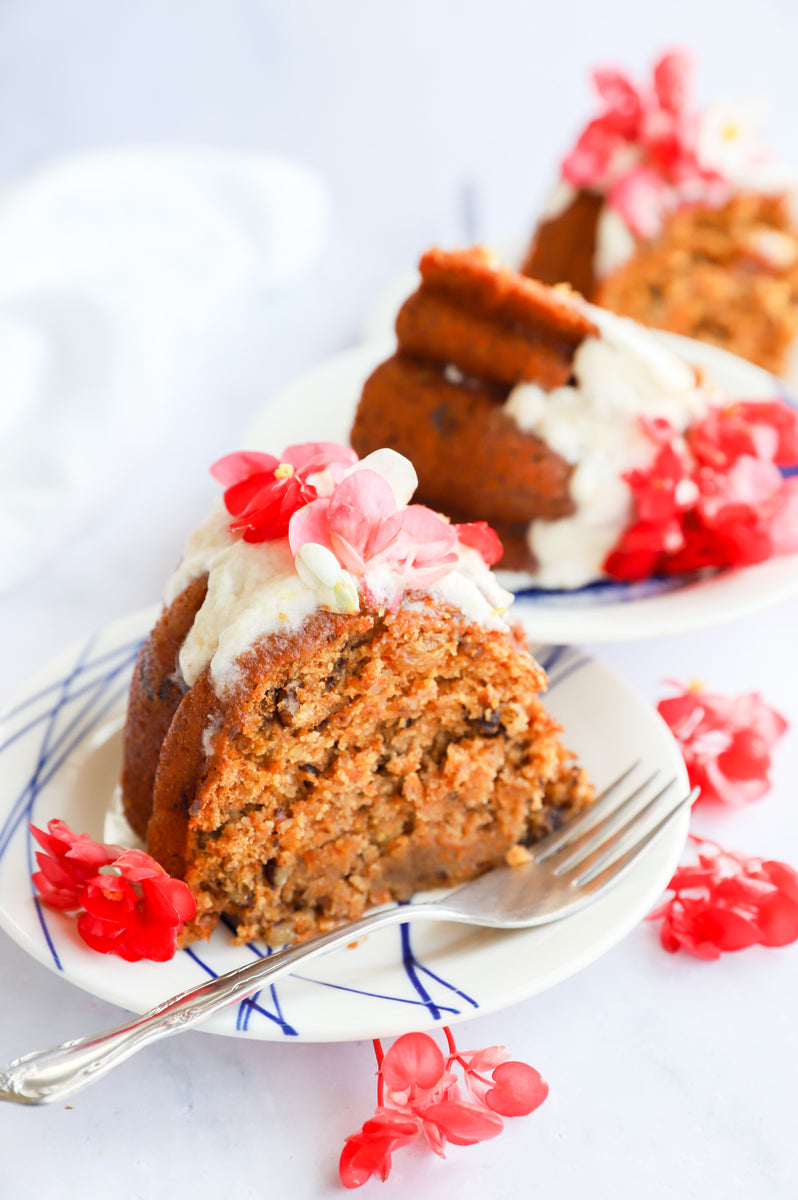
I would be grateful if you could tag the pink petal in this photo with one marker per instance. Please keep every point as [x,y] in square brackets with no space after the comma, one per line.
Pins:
[519,1089]
[673,78]
[618,91]
[234,468]
[365,491]
[414,1058]
[311,457]
[641,197]
[310,524]
[589,161]
[461,1123]
[427,532]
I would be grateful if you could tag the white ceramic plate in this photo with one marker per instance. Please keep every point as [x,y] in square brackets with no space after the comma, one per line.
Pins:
[321,404]
[60,749]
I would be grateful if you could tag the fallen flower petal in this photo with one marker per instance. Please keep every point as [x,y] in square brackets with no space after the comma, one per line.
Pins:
[131,906]
[369,1151]
[417,1093]
[413,1059]
[726,741]
[518,1090]
[461,1123]
[69,860]
[730,903]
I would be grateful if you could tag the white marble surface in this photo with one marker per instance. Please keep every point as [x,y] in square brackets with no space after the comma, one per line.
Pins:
[670,1078]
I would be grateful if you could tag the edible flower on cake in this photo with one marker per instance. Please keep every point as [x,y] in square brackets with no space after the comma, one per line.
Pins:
[592,447]
[676,215]
[332,710]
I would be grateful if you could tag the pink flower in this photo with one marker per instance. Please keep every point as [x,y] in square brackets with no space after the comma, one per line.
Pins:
[132,907]
[726,741]
[715,498]
[642,149]
[727,901]
[262,492]
[642,198]
[386,547]
[417,1093]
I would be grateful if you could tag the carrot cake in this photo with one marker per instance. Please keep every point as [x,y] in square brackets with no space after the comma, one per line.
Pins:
[332,710]
[676,217]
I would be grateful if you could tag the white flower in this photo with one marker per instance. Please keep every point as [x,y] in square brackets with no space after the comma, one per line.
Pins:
[728,141]
[320,569]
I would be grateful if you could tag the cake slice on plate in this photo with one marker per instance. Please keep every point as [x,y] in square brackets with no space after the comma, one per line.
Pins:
[591,447]
[332,710]
[677,217]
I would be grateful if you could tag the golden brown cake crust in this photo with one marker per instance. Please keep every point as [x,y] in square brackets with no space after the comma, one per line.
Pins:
[470,456]
[360,759]
[489,322]
[472,331]
[563,247]
[155,693]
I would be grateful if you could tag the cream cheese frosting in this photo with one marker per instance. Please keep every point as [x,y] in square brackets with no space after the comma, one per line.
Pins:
[623,374]
[254,591]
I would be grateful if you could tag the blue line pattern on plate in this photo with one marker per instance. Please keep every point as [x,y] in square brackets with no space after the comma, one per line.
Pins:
[58,718]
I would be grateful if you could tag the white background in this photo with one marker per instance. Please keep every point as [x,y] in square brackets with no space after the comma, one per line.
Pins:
[669,1077]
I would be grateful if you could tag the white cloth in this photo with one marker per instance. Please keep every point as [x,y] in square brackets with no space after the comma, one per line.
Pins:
[112,266]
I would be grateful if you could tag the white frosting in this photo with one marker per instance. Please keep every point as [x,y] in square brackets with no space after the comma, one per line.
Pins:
[615,243]
[255,590]
[620,376]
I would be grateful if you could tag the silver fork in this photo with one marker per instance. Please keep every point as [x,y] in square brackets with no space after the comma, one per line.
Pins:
[566,870]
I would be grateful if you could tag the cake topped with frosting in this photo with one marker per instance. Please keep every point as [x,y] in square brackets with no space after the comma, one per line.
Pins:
[332,710]
[676,215]
[591,447]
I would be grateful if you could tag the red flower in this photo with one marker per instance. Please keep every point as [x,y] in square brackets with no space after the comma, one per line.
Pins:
[369,1152]
[423,1096]
[263,492]
[716,497]
[642,148]
[71,859]
[727,901]
[479,536]
[135,911]
[132,907]
[726,741]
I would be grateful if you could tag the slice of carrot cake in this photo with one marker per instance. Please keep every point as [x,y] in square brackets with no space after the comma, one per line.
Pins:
[332,711]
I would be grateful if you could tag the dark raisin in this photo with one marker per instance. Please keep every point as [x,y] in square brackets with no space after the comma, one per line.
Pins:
[268,870]
[489,724]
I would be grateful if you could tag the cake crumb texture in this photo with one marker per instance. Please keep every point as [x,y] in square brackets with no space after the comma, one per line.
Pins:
[359,760]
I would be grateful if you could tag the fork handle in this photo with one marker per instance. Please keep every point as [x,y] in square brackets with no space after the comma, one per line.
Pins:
[60,1071]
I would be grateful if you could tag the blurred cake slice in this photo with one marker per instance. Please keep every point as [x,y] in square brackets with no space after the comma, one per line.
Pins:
[676,217]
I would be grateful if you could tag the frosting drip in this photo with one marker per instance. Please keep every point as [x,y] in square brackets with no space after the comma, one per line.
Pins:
[620,376]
